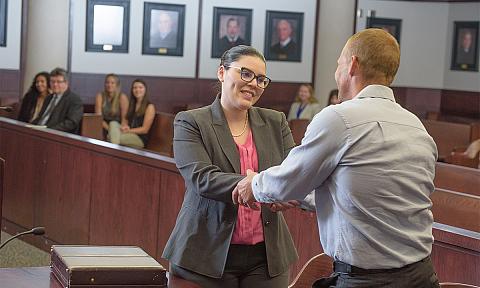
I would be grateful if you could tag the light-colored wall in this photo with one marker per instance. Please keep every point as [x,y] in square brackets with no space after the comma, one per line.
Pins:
[133,62]
[334,28]
[10,55]
[426,41]
[460,80]
[277,70]
[47,37]
[47,43]
[422,39]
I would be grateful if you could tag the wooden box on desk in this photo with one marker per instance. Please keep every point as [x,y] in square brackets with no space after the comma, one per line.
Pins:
[105,266]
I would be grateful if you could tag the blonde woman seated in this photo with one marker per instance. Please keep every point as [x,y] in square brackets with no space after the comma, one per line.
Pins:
[140,118]
[112,104]
[305,105]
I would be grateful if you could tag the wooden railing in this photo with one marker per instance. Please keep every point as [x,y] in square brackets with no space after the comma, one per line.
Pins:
[86,191]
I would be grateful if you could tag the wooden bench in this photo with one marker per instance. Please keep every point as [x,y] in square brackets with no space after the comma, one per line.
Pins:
[318,266]
[465,156]
[456,254]
[298,128]
[2,182]
[448,135]
[161,134]
[91,126]
[457,178]
[456,209]
[11,113]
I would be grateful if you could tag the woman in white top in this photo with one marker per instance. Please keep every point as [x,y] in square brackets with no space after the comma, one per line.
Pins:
[305,105]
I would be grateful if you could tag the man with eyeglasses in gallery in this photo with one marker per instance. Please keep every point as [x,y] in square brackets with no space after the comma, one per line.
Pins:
[63,109]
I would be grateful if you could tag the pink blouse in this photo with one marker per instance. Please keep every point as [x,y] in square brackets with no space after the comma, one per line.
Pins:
[248,228]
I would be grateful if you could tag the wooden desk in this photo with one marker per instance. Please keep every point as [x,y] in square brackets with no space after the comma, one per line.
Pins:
[39,277]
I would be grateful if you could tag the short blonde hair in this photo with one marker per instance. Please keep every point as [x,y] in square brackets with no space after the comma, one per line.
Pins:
[378,54]
[311,99]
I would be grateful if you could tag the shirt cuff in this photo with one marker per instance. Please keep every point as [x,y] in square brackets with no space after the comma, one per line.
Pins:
[257,188]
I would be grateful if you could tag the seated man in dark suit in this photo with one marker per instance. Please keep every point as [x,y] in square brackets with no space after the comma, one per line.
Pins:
[232,38]
[63,109]
[286,48]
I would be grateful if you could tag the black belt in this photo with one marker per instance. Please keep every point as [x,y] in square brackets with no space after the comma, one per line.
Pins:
[341,267]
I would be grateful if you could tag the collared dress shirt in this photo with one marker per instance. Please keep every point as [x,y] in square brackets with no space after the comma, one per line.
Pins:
[371,165]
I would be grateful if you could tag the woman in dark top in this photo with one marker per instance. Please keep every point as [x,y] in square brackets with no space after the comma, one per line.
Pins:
[33,100]
[140,118]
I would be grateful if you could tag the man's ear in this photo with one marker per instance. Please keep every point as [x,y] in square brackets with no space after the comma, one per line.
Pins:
[354,66]
[221,73]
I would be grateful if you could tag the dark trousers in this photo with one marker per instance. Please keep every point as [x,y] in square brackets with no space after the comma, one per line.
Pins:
[417,275]
[246,267]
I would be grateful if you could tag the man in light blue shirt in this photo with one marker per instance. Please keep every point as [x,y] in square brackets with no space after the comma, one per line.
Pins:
[371,165]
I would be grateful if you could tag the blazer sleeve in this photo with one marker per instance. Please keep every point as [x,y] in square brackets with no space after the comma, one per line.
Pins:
[194,163]
[288,142]
[73,116]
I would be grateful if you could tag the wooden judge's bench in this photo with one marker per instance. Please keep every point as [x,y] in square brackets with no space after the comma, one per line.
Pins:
[89,192]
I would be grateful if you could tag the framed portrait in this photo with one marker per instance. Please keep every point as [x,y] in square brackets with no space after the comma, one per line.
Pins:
[392,26]
[3,23]
[465,46]
[107,26]
[283,37]
[163,28]
[231,27]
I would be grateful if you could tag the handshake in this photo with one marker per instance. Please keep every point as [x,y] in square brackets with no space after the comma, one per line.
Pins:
[243,195]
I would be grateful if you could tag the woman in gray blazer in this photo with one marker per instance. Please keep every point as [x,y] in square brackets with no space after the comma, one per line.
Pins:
[216,243]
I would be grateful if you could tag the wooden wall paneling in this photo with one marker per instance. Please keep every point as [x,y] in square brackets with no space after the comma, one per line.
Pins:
[456,264]
[161,134]
[207,91]
[461,103]
[456,209]
[170,94]
[307,243]
[2,182]
[23,163]
[457,178]
[400,95]
[456,254]
[172,190]
[143,211]
[9,86]
[124,203]
[458,135]
[420,100]
[64,196]
[279,96]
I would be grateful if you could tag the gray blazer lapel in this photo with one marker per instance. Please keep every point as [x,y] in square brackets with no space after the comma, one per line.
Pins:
[262,137]
[224,137]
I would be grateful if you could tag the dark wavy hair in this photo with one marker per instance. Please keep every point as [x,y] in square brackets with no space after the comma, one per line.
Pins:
[29,100]
[133,101]
[33,87]
[235,53]
[232,55]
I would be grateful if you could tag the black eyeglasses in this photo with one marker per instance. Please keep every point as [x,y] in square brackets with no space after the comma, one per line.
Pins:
[248,75]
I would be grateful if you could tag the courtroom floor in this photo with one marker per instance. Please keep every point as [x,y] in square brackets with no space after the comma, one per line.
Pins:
[21,254]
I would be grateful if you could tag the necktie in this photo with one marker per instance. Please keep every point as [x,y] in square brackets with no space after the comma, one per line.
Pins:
[48,111]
